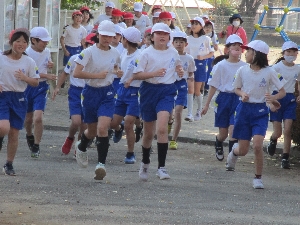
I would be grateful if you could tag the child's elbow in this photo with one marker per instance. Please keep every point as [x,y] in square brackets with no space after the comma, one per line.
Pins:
[35,83]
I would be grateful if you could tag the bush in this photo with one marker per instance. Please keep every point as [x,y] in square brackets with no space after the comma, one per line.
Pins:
[77,4]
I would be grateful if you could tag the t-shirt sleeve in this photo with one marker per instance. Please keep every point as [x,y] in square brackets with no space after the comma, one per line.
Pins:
[83,57]
[192,66]
[65,31]
[215,77]
[238,83]
[210,45]
[141,63]
[277,80]
[33,71]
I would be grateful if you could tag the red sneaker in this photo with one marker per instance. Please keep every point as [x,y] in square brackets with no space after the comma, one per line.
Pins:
[66,147]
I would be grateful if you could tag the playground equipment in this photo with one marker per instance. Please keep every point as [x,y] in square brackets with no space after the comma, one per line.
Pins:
[280,29]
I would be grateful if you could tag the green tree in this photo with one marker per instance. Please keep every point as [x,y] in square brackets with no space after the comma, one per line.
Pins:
[77,4]
[223,7]
[248,8]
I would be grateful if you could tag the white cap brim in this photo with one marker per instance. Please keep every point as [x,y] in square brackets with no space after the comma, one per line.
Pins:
[106,33]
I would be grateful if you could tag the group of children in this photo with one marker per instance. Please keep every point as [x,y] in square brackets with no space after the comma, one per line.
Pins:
[149,84]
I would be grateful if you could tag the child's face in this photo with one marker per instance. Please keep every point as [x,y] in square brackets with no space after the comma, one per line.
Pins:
[128,22]
[196,27]
[40,45]
[86,16]
[137,14]
[77,19]
[105,41]
[160,39]
[166,21]
[115,19]
[108,10]
[290,52]
[19,46]
[235,50]
[155,20]
[147,40]
[250,54]
[116,39]
[208,29]
[179,45]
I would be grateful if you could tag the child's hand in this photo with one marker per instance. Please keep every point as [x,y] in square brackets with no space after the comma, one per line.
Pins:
[1,89]
[50,65]
[119,73]
[67,53]
[245,97]
[199,57]
[160,73]
[19,75]
[128,82]
[204,110]
[274,106]
[55,92]
[298,99]
[179,71]
[269,98]
[51,77]
[103,74]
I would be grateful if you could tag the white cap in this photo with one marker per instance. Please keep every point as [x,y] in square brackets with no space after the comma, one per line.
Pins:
[160,27]
[110,4]
[156,15]
[289,45]
[107,28]
[179,34]
[118,29]
[189,25]
[257,45]
[234,39]
[199,19]
[132,34]
[138,7]
[40,33]
[173,15]
[205,16]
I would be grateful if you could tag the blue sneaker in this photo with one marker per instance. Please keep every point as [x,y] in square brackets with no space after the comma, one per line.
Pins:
[130,160]
[118,134]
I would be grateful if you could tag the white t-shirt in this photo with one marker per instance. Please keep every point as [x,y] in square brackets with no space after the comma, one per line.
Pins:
[41,59]
[199,46]
[96,60]
[120,49]
[122,24]
[152,60]
[69,69]
[188,65]
[142,23]
[222,75]
[257,83]
[290,73]
[8,68]
[88,28]
[101,18]
[214,38]
[73,36]
[128,63]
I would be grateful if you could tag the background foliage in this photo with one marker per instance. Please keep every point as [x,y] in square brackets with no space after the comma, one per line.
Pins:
[77,4]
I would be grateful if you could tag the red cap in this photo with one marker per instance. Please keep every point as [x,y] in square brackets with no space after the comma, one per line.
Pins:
[21,30]
[88,38]
[77,12]
[128,15]
[95,28]
[145,13]
[117,12]
[156,7]
[148,31]
[165,15]
[84,8]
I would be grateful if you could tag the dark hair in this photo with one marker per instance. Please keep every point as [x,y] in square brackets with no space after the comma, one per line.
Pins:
[180,39]
[172,26]
[260,59]
[131,44]
[200,33]
[91,15]
[37,40]
[95,38]
[219,59]
[279,59]
[15,37]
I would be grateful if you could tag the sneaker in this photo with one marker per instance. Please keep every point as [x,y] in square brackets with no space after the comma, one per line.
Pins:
[258,184]
[130,160]
[143,173]
[272,146]
[189,118]
[170,127]
[66,147]
[118,134]
[197,116]
[138,133]
[231,159]
[162,173]
[81,157]
[8,169]
[100,171]
[35,151]
[151,150]
[173,145]
[219,154]
[30,141]
[285,164]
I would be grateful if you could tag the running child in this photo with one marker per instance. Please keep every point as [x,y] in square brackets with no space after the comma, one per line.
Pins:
[87,16]
[252,83]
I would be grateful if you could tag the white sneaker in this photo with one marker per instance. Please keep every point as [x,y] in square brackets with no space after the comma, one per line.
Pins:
[189,118]
[100,171]
[162,173]
[257,184]
[197,116]
[231,159]
[81,157]
[143,173]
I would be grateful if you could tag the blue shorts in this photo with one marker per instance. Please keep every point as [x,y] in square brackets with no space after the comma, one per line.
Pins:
[127,102]
[226,104]
[181,98]
[74,98]
[116,84]
[72,51]
[36,96]
[287,109]
[97,101]
[13,107]
[251,119]
[155,98]
[208,71]
[200,73]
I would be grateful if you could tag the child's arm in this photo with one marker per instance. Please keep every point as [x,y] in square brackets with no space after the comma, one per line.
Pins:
[79,73]
[272,98]
[62,43]
[147,75]
[209,55]
[212,90]
[83,43]
[19,75]
[243,95]
[298,98]
[62,78]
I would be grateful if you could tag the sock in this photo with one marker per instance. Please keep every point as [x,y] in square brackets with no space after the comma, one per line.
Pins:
[129,154]
[70,138]
[219,144]
[102,148]
[162,149]
[1,139]
[273,140]
[201,101]
[231,143]
[198,101]
[8,162]
[257,176]
[190,103]
[146,155]
[84,141]
[285,156]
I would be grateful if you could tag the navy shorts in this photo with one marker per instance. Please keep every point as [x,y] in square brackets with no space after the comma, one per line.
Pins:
[13,107]
[155,98]
[226,104]
[181,98]
[74,98]
[287,109]
[37,96]
[127,102]
[200,73]
[97,101]
[116,84]
[251,119]
[72,51]
[208,70]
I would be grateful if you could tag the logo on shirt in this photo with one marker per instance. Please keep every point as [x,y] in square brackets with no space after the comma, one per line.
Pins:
[36,70]
[68,65]
[263,83]
[81,55]
[201,48]
[131,65]
[185,66]
[136,62]
[280,77]
[172,63]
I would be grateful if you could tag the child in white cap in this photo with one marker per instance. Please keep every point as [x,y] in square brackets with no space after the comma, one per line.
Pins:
[109,6]
[157,66]
[37,96]
[17,70]
[226,102]
[141,21]
[98,95]
[252,83]
[287,113]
